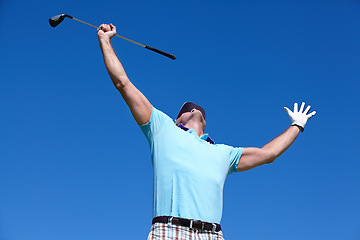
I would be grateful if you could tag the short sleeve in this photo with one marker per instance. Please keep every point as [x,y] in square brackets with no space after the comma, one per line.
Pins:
[235,154]
[157,121]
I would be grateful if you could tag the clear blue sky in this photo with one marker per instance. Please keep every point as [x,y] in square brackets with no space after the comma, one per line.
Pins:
[74,164]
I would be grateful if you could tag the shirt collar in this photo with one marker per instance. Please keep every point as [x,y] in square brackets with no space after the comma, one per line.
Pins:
[205,136]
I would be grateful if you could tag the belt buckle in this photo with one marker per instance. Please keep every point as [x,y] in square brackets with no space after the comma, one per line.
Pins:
[213,228]
[202,226]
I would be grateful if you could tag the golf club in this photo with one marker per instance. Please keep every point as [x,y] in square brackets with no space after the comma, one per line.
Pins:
[56,20]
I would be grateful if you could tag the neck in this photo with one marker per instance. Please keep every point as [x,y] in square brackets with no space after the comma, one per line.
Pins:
[198,128]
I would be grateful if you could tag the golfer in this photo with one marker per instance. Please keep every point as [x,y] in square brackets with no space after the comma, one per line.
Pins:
[189,168]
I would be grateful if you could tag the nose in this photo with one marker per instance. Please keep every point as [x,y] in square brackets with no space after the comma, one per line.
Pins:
[193,110]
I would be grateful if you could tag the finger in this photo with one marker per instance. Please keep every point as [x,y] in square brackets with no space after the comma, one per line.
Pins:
[311,114]
[106,27]
[113,28]
[302,107]
[295,107]
[287,110]
[100,27]
[103,27]
[307,109]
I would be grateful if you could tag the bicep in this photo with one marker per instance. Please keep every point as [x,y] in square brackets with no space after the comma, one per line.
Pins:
[253,157]
[139,106]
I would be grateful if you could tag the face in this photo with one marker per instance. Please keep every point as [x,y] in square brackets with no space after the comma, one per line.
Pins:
[193,115]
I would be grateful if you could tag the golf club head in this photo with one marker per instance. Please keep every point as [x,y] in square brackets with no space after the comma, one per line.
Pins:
[56,20]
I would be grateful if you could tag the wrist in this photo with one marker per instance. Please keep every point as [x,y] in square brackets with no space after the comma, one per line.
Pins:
[301,128]
[104,39]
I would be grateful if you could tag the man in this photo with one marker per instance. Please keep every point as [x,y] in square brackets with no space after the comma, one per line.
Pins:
[189,169]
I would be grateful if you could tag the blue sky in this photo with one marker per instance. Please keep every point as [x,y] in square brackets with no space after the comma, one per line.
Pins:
[74,164]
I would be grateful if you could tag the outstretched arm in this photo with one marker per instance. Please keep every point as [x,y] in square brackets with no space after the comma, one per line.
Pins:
[139,106]
[253,157]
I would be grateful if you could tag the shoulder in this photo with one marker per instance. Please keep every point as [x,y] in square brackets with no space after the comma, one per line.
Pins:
[230,150]
[158,115]
[225,146]
[158,121]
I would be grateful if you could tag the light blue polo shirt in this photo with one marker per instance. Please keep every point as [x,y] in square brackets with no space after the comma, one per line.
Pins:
[189,173]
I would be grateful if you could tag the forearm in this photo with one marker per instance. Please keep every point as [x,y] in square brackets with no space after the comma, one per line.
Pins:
[277,146]
[113,65]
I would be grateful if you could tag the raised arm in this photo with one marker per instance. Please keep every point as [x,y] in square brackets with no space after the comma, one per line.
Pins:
[253,157]
[139,106]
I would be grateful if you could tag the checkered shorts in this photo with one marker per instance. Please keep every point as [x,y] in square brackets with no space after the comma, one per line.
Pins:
[166,231]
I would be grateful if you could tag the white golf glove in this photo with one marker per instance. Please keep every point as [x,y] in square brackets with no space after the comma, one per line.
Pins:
[299,118]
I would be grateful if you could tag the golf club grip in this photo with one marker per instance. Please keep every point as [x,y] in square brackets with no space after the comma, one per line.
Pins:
[173,57]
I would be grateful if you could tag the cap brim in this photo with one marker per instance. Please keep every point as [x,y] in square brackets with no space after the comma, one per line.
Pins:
[188,106]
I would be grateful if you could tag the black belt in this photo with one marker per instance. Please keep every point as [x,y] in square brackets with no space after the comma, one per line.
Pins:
[192,224]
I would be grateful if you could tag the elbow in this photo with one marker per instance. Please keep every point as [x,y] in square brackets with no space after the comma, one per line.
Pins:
[267,155]
[270,160]
[270,157]
[120,85]
[120,81]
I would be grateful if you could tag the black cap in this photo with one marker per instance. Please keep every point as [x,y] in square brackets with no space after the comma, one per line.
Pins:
[188,106]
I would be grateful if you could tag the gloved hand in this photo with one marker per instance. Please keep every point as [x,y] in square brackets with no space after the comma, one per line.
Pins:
[299,118]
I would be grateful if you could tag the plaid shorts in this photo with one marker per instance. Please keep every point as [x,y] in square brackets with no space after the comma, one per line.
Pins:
[166,231]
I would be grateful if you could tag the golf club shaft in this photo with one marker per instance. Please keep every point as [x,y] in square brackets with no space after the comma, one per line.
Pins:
[115,35]
[145,46]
